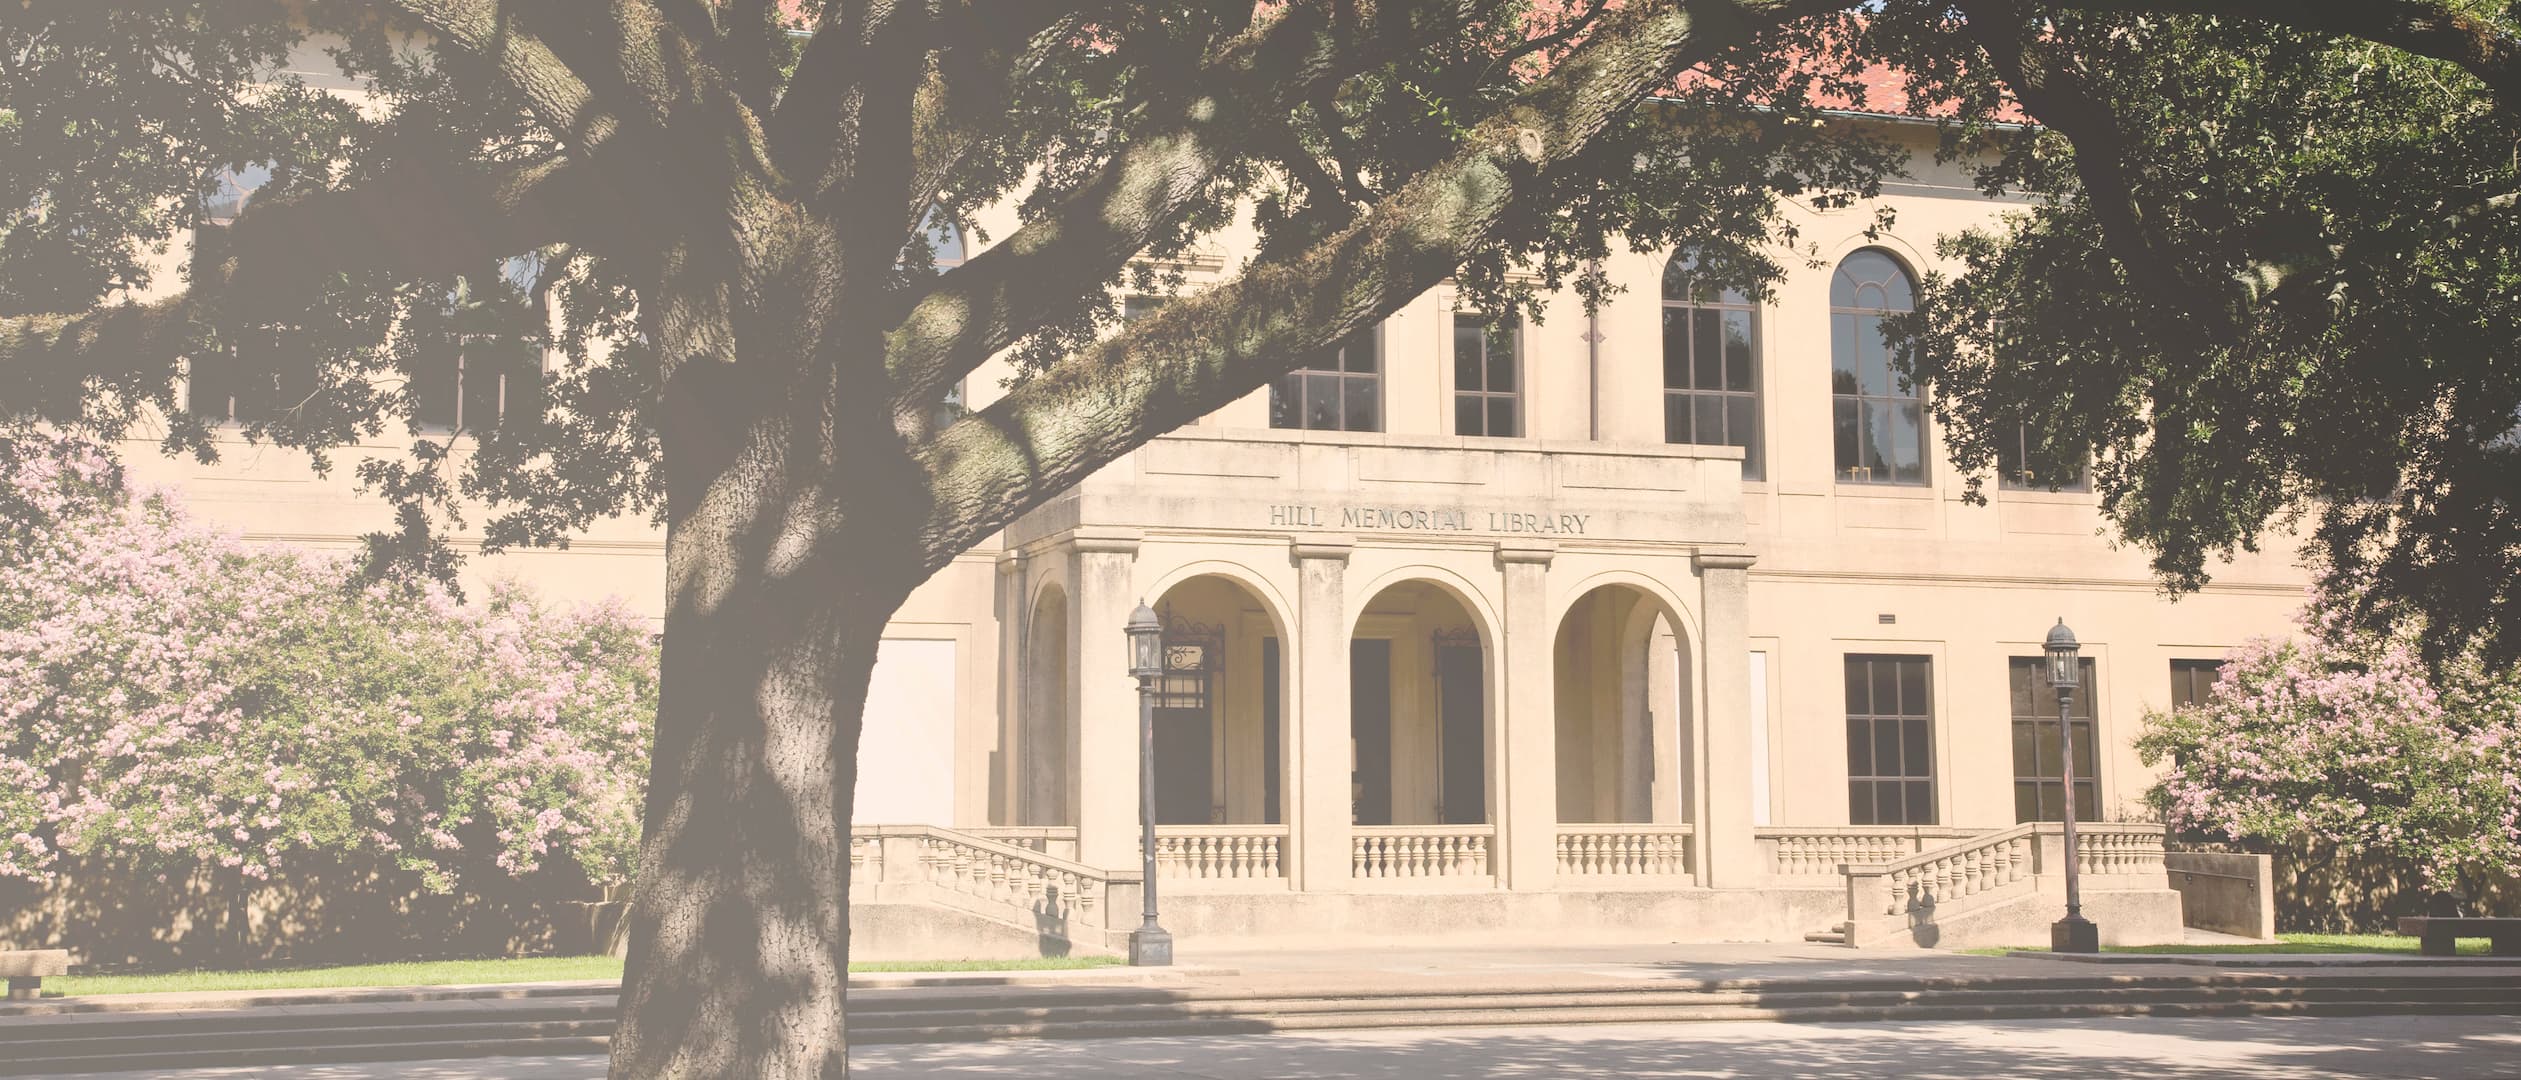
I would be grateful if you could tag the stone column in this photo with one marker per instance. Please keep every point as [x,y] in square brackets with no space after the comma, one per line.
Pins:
[1526,740]
[1728,855]
[1316,732]
[1102,698]
[1006,776]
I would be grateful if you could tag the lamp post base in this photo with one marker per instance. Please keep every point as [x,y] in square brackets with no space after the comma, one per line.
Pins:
[1150,947]
[2074,934]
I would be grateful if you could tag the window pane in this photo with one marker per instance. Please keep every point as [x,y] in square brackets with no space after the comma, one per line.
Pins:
[1886,687]
[1908,442]
[1707,349]
[1859,747]
[1676,275]
[1876,431]
[1321,401]
[1916,747]
[1285,399]
[1858,682]
[1676,418]
[1845,423]
[1676,348]
[1737,350]
[1466,355]
[1502,376]
[433,385]
[1913,687]
[1741,427]
[1502,421]
[1468,417]
[1364,351]
[1860,803]
[2026,801]
[1709,410]
[1364,402]
[1886,747]
[1873,361]
[2026,760]
[1842,353]
[1921,803]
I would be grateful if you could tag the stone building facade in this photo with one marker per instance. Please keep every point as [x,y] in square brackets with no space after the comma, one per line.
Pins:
[1666,623]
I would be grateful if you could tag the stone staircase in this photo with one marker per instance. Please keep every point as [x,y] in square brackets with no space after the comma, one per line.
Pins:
[579,1020]
[2003,887]
[915,890]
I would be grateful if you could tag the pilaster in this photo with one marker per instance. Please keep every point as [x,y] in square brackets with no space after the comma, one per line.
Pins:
[1527,722]
[1728,854]
[1316,737]
[1011,597]
[1103,698]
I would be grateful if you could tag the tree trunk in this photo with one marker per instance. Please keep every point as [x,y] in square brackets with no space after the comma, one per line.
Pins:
[740,916]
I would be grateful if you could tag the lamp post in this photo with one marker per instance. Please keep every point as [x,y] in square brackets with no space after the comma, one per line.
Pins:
[2074,933]
[1149,945]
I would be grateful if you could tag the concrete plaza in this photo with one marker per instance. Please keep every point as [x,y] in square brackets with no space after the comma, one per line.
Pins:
[2378,1046]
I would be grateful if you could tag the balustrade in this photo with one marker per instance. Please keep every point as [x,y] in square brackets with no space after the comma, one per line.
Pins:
[1220,852]
[2116,849]
[1625,850]
[1820,851]
[1421,851]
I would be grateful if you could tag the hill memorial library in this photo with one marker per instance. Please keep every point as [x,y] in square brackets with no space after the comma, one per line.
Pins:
[1667,622]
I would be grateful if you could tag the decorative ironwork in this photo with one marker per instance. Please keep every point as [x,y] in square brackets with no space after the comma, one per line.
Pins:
[1194,652]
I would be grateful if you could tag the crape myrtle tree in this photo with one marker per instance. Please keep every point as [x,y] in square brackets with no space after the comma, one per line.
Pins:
[728,197]
[727,201]
[2270,284]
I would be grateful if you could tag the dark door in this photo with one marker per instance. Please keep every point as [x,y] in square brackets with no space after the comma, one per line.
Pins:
[1370,726]
[1461,701]
[1184,739]
[1270,764]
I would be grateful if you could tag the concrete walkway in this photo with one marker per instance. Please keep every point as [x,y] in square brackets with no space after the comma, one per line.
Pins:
[2481,1046]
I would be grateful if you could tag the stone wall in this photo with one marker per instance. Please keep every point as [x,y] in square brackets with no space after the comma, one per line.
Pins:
[2320,890]
[112,915]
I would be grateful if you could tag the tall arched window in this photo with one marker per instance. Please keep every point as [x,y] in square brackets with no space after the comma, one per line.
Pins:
[1710,364]
[1880,421]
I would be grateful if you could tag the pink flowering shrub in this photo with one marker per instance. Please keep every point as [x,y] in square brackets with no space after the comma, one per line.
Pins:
[2349,738]
[171,693]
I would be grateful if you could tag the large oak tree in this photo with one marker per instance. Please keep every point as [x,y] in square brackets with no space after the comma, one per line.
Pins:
[730,201]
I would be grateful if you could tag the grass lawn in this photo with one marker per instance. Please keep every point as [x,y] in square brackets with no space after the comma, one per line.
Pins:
[2284,943]
[454,972]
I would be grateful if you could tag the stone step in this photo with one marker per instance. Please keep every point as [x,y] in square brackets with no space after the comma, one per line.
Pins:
[94,1042]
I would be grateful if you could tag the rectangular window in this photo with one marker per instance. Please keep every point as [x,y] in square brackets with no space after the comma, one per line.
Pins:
[1339,390]
[2193,681]
[1711,377]
[471,383]
[1487,376]
[2038,769]
[2013,472]
[1890,740]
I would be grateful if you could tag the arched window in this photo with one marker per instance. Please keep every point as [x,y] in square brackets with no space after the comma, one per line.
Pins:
[1880,421]
[1710,364]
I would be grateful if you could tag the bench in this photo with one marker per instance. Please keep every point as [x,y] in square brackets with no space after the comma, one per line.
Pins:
[26,969]
[2439,936]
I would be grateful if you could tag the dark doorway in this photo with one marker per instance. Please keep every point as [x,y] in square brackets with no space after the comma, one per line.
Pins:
[1461,703]
[1270,763]
[1184,742]
[1370,728]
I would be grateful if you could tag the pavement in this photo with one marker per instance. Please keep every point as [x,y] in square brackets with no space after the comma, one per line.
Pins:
[2393,1046]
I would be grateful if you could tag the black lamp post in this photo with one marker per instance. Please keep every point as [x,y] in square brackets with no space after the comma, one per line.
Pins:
[2074,933]
[1149,945]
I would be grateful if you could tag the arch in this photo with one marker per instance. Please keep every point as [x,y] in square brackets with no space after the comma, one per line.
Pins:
[1624,711]
[1903,253]
[1045,731]
[1684,617]
[1220,704]
[1423,702]
[1877,416]
[1272,602]
[1483,614]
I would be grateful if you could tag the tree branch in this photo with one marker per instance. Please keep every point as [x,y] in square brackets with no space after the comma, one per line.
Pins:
[2055,95]
[559,95]
[2431,28]
[1200,352]
[415,222]
[990,301]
